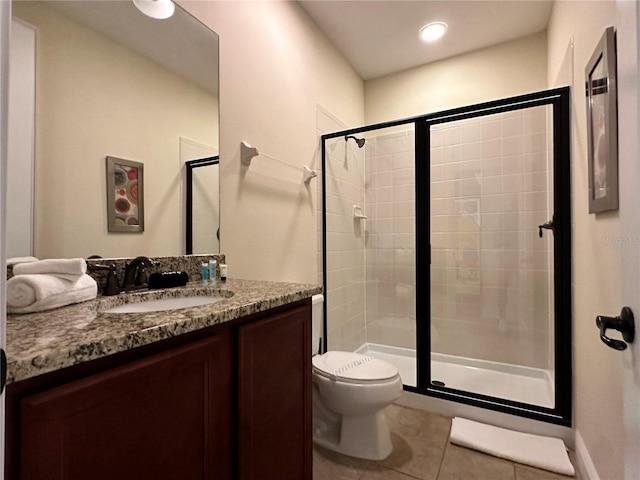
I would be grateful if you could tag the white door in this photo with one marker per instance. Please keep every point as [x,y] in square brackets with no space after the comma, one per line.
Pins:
[628,16]
[5,19]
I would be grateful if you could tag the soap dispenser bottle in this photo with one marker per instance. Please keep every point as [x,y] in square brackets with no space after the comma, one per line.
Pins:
[223,272]
[213,271]
[205,272]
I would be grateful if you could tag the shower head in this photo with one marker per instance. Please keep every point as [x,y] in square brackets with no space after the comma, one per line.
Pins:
[359,141]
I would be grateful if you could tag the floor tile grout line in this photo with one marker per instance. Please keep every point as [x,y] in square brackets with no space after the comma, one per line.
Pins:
[444,450]
[401,472]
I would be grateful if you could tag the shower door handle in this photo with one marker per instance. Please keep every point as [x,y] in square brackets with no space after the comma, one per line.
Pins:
[550,225]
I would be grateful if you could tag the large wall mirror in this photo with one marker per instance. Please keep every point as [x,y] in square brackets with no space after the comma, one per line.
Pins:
[109,81]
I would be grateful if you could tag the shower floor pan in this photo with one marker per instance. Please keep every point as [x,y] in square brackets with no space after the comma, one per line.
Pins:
[510,382]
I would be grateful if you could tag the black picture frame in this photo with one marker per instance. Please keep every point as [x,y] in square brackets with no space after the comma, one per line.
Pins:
[602,125]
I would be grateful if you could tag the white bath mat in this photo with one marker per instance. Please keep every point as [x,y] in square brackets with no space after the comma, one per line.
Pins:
[537,451]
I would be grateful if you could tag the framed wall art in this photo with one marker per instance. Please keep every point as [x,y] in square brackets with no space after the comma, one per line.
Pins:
[125,199]
[602,125]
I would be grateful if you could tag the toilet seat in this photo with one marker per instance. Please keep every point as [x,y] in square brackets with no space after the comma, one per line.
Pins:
[350,367]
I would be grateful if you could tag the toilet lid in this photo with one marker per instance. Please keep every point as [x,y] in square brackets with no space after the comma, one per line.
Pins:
[351,366]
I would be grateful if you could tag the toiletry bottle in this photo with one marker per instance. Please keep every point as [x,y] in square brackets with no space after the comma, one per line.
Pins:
[223,272]
[205,272]
[213,270]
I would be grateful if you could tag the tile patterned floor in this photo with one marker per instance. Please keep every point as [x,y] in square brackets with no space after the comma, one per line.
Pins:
[422,451]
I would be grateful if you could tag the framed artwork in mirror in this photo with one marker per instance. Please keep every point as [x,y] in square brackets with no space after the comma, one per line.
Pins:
[125,195]
[602,125]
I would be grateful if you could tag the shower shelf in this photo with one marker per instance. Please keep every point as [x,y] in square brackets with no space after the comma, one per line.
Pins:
[358,213]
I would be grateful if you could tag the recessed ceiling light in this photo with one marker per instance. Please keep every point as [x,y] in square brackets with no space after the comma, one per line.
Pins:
[433,31]
[159,9]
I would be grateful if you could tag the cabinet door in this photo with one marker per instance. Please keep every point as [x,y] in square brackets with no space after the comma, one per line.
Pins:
[163,417]
[275,397]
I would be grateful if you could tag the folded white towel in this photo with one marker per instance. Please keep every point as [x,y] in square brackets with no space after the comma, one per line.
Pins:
[38,292]
[67,268]
[14,260]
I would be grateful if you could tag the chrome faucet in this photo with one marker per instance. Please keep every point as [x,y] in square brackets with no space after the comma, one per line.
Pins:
[135,274]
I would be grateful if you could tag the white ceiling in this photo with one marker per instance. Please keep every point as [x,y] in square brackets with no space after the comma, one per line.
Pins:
[379,37]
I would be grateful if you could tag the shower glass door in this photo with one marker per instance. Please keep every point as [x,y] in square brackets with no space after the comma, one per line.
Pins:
[369,247]
[491,272]
[493,237]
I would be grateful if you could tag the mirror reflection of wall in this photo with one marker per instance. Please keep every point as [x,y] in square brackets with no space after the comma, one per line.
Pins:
[98,97]
[20,148]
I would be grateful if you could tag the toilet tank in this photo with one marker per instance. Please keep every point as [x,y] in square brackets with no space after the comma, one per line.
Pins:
[317,310]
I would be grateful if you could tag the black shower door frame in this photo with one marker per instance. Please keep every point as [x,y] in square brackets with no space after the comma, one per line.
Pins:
[559,99]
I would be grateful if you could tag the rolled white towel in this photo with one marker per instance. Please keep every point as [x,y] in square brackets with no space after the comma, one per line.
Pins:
[38,292]
[67,268]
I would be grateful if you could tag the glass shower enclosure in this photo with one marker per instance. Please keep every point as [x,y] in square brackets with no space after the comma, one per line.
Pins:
[447,252]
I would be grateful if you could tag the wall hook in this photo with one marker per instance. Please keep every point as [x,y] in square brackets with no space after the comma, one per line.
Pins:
[247,152]
[624,324]
[308,174]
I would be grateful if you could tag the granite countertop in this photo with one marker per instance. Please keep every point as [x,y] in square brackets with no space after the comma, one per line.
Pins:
[43,342]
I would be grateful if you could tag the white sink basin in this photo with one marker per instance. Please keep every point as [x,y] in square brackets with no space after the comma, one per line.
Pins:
[163,304]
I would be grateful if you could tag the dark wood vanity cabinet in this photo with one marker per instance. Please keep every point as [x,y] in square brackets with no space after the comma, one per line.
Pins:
[275,439]
[165,416]
[229,402]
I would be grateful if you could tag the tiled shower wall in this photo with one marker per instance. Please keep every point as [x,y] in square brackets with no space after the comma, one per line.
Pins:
[491,274]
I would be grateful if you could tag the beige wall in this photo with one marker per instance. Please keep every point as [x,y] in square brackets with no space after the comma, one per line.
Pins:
[504,70]
[94,99]
[275,67]
[605,246]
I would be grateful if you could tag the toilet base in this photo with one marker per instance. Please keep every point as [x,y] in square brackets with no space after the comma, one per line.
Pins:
[363,436]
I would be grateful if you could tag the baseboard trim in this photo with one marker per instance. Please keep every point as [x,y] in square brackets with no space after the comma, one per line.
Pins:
[586,466]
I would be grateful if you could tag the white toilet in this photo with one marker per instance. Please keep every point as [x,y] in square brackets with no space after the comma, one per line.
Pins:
[350,390]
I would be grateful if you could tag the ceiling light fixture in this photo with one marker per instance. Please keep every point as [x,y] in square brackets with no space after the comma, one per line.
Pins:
[433,31]
[159,9]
